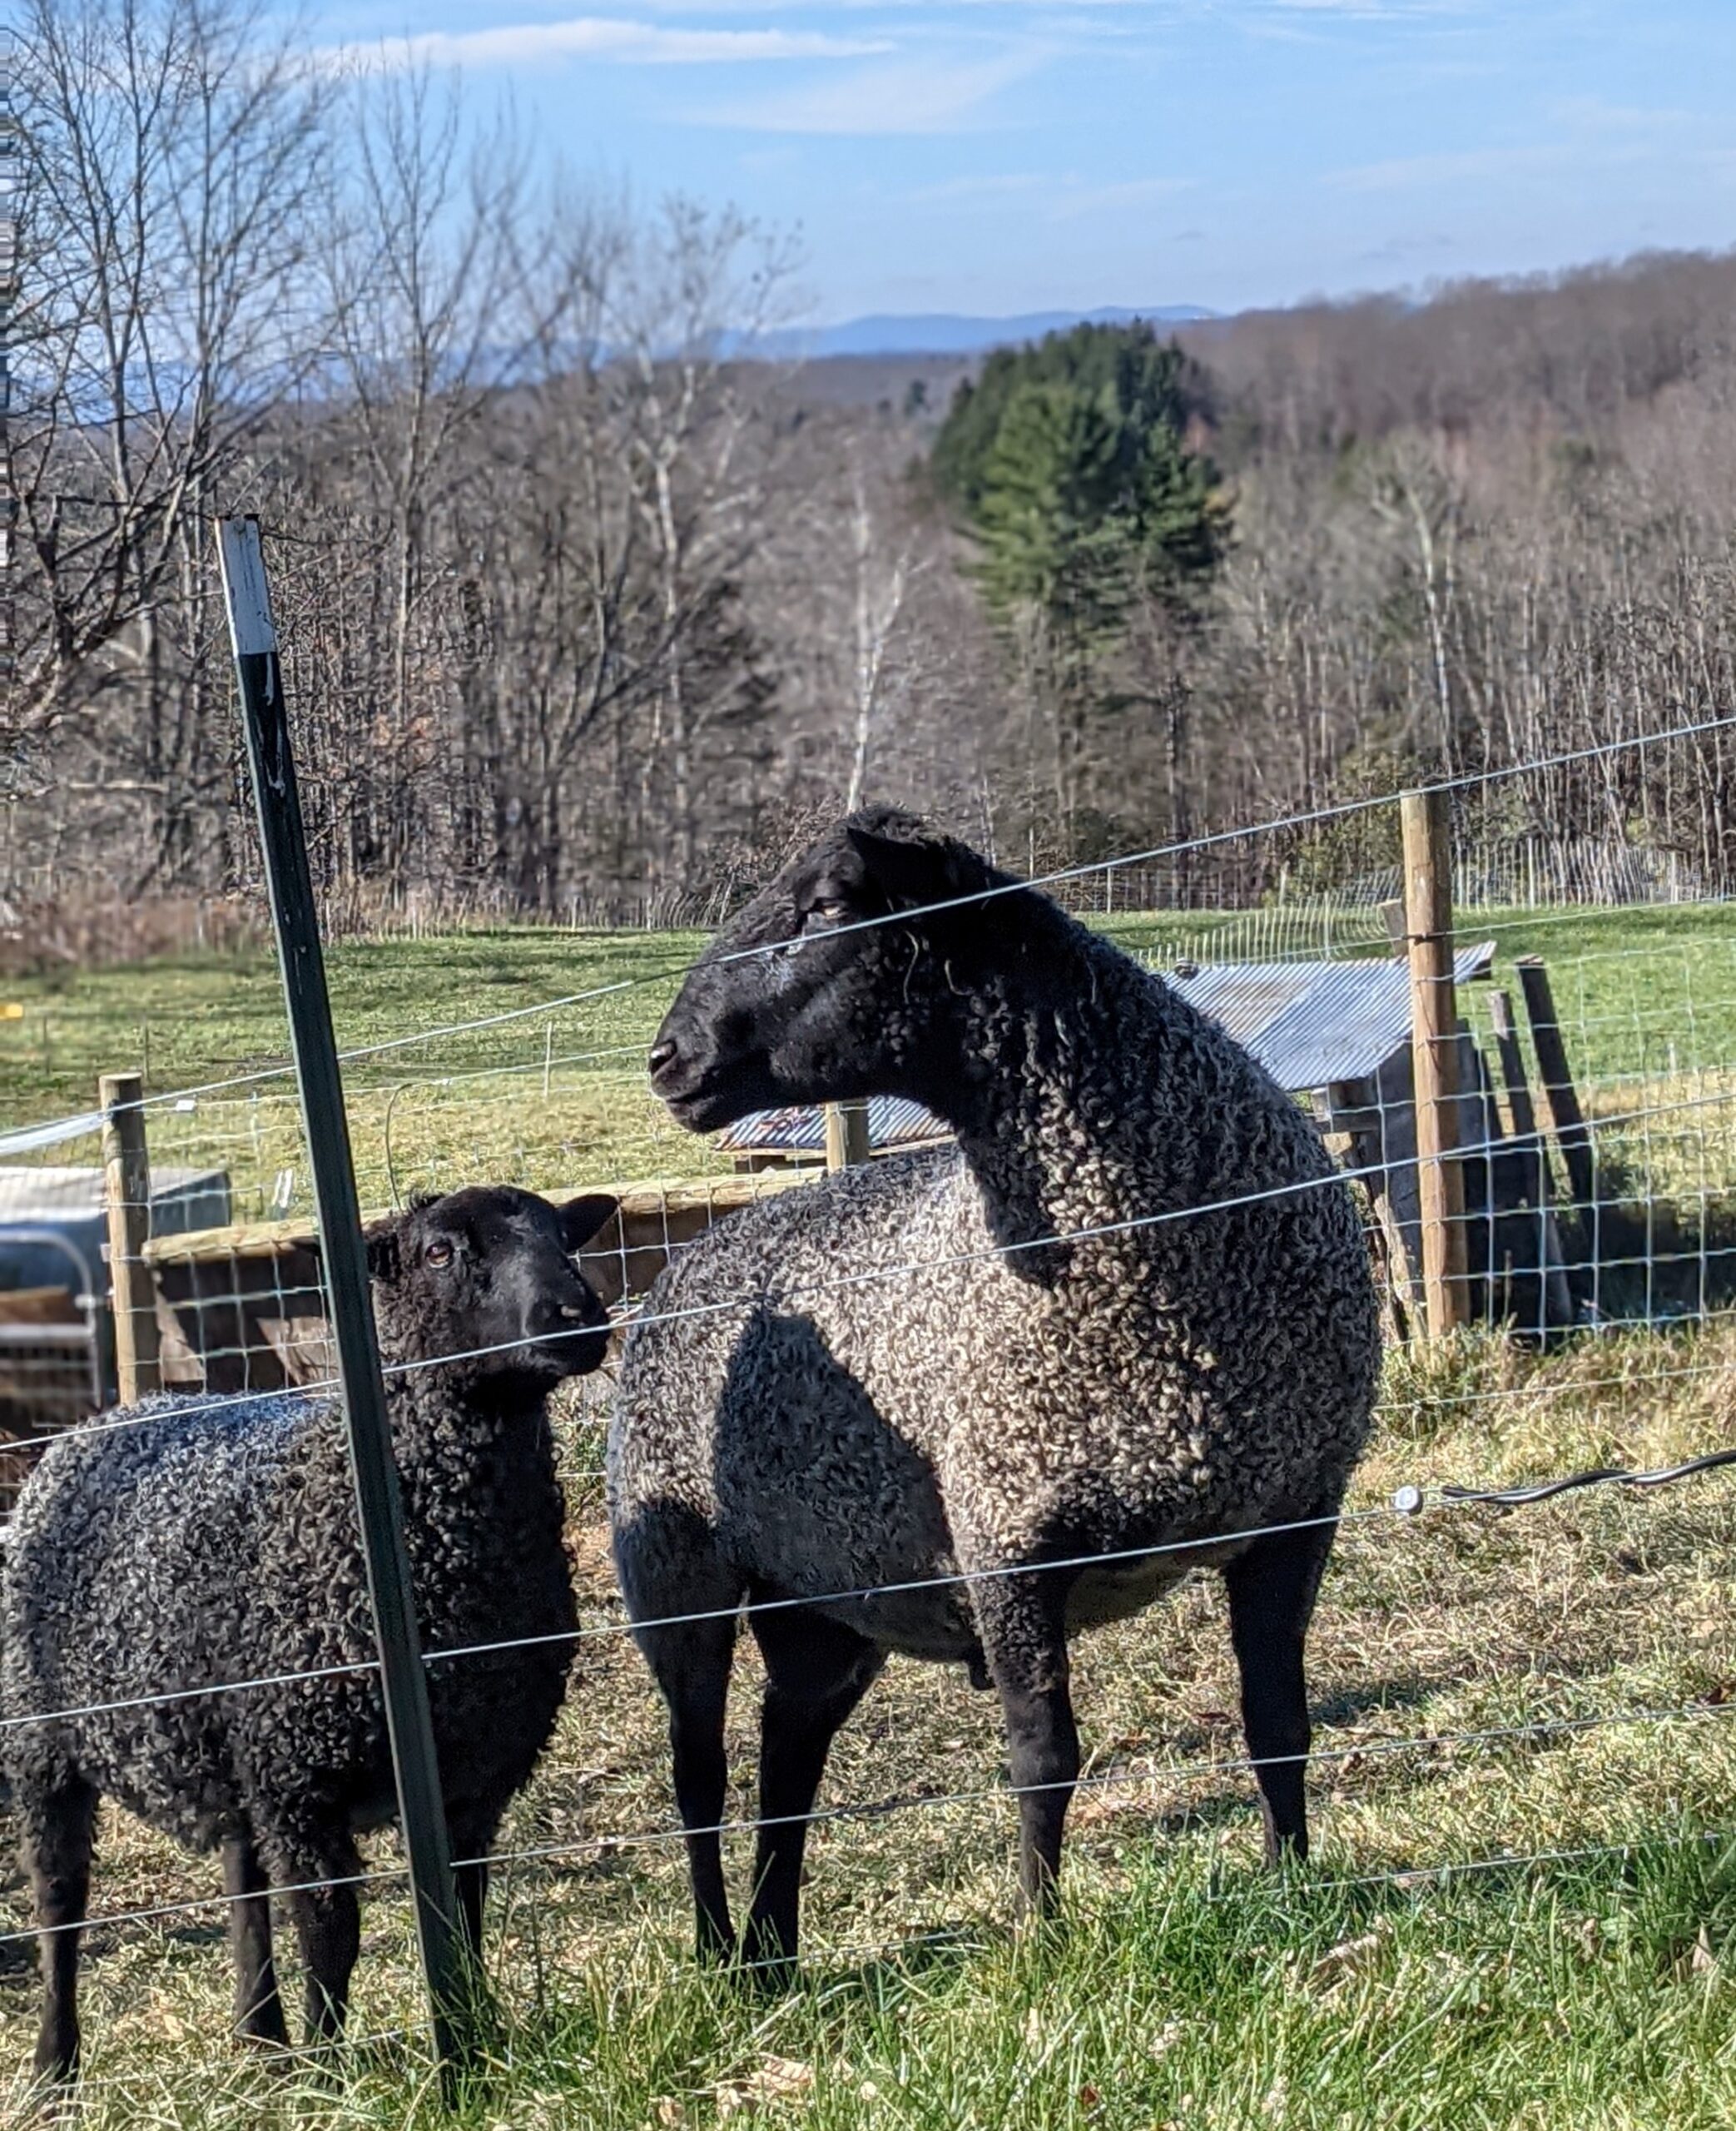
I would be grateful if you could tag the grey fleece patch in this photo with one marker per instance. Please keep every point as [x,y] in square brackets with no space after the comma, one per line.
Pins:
[1166,1383]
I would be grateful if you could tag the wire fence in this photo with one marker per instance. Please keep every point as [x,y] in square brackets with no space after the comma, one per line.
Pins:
[1596,1055]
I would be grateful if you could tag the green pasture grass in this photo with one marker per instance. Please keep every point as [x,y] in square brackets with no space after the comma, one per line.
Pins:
[1595,1984]
[198,1018]
[547,1097]
[1646,998]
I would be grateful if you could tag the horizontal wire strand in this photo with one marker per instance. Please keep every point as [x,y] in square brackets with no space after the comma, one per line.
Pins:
[1132,1224]
[973,1936]
[1420,1742]
[1473,779]
[1184,1772]
[1405,1506]
[1406,1877]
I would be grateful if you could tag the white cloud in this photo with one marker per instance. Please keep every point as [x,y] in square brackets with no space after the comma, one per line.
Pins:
[1074,199]
[597,37]
[984,185]
[906,96]
[1468,166]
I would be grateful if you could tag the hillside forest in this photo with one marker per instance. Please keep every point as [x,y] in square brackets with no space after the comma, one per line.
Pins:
[586,607]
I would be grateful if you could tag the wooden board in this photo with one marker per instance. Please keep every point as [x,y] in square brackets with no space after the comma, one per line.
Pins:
[639,1203]
[40,1306]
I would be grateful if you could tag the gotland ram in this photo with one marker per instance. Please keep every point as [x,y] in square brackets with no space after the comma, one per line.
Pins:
[1075,1374]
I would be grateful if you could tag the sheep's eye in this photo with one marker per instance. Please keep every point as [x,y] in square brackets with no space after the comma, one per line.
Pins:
[439,1252]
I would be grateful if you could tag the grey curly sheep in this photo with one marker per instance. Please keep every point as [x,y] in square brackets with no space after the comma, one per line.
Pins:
[1135,1385]
[203,1544]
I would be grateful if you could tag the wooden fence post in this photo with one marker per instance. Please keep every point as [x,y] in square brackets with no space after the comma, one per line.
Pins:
[847,1134]
[1552,1262]
[1560,1098]
[403,1680]
[126,1189]
[1566,1120]
[1426,819]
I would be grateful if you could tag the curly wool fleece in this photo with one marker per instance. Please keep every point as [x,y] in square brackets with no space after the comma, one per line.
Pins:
[187,1548]
[814,1431]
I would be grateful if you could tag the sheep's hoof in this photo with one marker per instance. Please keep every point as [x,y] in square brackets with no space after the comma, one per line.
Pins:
[55,2089]
[55,2064]
[272,2051]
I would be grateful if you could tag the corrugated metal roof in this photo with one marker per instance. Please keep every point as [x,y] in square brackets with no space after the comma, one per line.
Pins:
[39,1192]
[893,1121]
[1309,1024]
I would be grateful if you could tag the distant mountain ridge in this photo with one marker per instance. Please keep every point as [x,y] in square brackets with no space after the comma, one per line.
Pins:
[950,333]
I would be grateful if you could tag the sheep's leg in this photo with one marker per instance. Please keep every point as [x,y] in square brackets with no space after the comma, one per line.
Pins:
[691,1665]
[1024,1625]
[673,1570]
[1271,1589]
[328,1926]
[817,1670]
[59,1832]
[472,1883]
[258,2008]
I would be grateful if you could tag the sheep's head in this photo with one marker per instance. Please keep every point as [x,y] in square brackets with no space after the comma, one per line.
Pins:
[839,980]
[487,1272]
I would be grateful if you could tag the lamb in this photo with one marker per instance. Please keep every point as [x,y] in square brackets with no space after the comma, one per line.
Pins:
[1077,1374]
[203,1543]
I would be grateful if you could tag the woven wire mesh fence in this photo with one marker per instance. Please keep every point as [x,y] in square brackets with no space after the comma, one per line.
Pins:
[1460,1722]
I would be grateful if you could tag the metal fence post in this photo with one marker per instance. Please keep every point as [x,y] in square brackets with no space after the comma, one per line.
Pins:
[420,1804]
[1426,819]
[127,1190]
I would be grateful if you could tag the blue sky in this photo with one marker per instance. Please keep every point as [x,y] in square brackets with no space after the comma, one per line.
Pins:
[999,156]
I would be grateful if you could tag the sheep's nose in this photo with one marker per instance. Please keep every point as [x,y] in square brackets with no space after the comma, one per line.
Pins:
[665,1052]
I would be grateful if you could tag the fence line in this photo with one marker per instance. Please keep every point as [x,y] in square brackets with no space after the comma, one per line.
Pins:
[1418,1402]
[1309,817]
[1408,1503]
[1186,1771]
[1335,1175]
[849,1810]
[1429,1497]
[969,1938]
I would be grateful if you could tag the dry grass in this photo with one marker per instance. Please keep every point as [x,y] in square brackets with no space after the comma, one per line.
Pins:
[1187,1990]
[1458,1621]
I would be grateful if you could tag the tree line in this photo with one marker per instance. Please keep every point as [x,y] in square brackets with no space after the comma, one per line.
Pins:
[585,611]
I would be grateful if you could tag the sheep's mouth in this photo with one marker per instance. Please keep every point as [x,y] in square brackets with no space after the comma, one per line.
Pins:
[700,1113]
[578,1351]
[717,1099]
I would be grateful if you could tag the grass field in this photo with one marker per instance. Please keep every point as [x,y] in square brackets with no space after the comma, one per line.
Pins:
[1185,1988]
[1647,998]
[1595,1985]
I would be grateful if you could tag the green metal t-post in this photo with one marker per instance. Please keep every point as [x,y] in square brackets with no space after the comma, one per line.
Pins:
[421,1807]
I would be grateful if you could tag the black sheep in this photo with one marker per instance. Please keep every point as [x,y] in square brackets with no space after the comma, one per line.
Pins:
[205,1543]
[1132,1317]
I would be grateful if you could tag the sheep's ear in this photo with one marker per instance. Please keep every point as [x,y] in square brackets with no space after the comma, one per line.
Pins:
[905,869]
[580,1218]
[383,1259]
